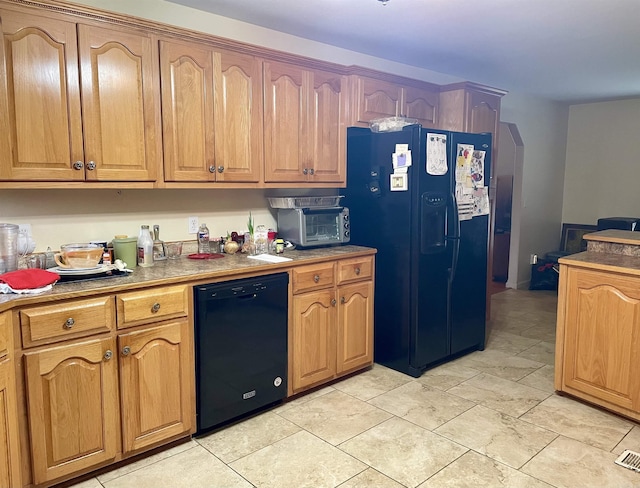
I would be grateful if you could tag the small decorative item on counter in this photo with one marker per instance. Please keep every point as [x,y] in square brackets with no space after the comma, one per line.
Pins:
[203,240]
[145,247]
[271,238]
[279,246]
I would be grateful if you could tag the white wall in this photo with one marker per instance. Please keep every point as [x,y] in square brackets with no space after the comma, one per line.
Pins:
[62,216]
[543,128]
[602,173]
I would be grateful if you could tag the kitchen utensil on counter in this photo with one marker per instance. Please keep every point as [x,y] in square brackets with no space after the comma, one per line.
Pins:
[8,247]
[159,250]
[79,255]
[38,260]
[125,249]
[173,249]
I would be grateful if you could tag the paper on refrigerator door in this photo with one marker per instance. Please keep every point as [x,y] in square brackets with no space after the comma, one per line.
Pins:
[436,154]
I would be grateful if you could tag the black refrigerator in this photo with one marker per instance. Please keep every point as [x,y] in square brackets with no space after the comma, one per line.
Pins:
[421,198]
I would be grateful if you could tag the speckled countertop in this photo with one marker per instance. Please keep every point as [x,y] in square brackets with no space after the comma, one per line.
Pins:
[183,270]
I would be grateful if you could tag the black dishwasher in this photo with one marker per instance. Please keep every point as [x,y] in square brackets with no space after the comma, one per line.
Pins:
[241,347]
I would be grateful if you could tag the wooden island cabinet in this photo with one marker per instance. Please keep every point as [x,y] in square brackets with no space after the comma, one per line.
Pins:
[598,327]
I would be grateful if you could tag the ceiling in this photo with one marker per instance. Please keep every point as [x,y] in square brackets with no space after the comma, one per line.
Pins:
[567,50]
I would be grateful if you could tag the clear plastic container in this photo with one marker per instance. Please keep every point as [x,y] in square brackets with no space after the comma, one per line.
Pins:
[8,247]
[203,240]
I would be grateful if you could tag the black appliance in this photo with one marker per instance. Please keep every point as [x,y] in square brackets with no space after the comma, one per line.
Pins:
[431,266]
[241,347]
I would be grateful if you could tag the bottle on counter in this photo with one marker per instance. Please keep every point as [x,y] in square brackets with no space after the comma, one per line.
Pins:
[203,240]
[145,247]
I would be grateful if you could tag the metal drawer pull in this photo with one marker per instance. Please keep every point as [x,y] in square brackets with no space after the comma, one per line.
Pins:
[126,350]
[212,169]
[69,323]
[155,308]
[316,278]
[357,271]
[220,169]
[342,300]
[333,302]
[108,355]
[91,165]
[78,165]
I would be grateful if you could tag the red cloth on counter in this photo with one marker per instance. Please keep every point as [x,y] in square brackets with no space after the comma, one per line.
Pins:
[29,279]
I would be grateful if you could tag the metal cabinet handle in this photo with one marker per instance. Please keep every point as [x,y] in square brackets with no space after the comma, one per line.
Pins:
[316,278]
[342,299]
[305,171]
[357,271]
[78,165]
[333,302]
[155,308]
[91,165]
[108,355]
[312,171]
[69,323]
[220,169]
[212,169]
[126,350]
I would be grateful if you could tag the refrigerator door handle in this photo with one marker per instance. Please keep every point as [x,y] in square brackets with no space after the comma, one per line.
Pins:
[454,237]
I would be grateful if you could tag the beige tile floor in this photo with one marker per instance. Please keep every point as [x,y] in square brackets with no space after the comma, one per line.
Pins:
[489,419]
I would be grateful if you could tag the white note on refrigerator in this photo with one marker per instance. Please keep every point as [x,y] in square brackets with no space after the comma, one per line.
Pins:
[436,154]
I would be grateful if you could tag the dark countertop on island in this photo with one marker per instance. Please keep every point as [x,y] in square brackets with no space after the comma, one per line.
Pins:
[183,270]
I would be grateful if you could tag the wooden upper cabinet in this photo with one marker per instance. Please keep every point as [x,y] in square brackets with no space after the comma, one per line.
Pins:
[421,104]
[40,99]
[468,107]
[375,99]
[212,114]
[121,115]
[54,71]
[304,124]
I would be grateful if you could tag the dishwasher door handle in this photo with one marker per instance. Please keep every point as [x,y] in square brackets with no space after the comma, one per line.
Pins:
[249,296]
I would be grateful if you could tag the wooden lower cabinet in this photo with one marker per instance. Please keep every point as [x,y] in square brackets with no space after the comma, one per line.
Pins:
[314,338]
[332,327]
[156,384]
[598,338]
[10,474]
[355,334]
[72,393]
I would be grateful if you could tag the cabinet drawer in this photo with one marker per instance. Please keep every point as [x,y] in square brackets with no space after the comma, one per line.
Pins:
[355,269]
[61,321]
[154,305]
[314,277]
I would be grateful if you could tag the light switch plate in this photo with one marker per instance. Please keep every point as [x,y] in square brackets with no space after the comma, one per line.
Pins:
[25,229]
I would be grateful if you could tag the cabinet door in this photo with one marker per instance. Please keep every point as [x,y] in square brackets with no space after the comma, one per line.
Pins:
[73,407]
[355,326]
[186,72]
[9,441]
[156,384]
[40,122]
[421,105]
[120,106]
[286,123]
[375,99]
[602,337]
[328,111]
[212,114]
[238,117]
[314,338]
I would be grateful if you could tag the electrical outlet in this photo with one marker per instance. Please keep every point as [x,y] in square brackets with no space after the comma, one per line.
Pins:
[24,229]
[193,225]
